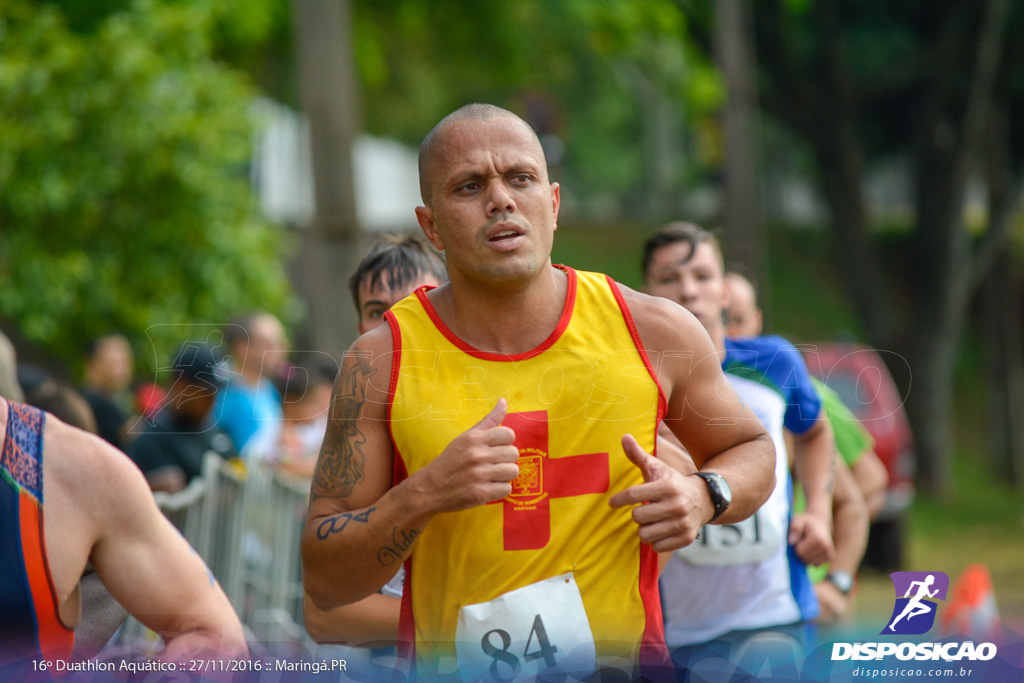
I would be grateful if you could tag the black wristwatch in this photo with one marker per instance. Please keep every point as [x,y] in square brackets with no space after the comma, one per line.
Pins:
[718,489]
[843,581]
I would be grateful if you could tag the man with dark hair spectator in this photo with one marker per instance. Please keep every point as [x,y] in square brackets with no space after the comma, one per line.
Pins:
[394,266]
[171,450]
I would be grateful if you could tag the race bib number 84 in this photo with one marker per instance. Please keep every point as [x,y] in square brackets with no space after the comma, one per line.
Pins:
[526,631]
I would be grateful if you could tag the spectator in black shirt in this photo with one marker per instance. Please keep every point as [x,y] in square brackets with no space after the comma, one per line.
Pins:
[171,450]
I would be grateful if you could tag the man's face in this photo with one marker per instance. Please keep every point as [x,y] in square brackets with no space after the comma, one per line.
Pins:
[696,283]
[268,345]
[492,208]
[374,301]
[743,317]
[112,363]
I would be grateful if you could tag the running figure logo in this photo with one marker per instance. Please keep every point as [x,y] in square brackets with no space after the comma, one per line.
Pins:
[914,613]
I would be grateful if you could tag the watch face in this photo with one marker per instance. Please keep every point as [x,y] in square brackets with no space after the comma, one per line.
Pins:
[726,492]
[718,488]
[841,580]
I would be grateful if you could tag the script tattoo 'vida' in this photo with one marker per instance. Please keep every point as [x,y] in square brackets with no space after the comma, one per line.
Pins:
[527,510]
[915,608]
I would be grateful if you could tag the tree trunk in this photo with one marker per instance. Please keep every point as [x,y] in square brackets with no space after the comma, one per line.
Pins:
[929,405]
[741,216]
[1001,311]
[953,133]
[332,244]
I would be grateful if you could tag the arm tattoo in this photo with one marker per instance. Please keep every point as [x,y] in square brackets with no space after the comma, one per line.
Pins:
[336,523]
[830,483]
[340,466]
[388,555]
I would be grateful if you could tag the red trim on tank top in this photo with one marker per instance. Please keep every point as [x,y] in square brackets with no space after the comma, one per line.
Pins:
[617,293]
[653,651]
[406,623]
[396,362]
[406,618]
[563,322]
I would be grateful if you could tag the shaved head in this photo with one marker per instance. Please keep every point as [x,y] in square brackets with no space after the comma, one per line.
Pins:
[435,139]
[743,318]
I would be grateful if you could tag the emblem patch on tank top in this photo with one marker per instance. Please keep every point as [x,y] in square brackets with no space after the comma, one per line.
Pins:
[527,511]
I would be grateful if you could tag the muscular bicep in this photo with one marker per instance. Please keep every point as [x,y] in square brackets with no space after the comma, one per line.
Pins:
[143,561]
[704,411]
[354,468]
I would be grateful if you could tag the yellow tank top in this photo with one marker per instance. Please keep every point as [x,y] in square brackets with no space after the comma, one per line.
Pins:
[570,402]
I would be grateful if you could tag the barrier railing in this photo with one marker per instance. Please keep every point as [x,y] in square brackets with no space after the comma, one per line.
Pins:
[245,521]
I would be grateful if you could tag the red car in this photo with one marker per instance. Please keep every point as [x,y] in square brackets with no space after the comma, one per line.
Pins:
[859,375]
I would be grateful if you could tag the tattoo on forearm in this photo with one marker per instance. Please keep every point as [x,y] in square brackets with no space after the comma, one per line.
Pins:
[340,466]
[336,523]
[388,555]
[830,484]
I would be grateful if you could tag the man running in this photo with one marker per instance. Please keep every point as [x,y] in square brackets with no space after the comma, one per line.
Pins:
[394,268]
[737,581]
[537,389]
[833,583]
[854,443]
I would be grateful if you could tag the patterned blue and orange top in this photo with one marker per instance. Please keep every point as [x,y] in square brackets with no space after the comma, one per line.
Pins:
[30,623]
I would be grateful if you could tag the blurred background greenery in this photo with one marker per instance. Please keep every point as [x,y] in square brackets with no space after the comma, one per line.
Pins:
[862,160]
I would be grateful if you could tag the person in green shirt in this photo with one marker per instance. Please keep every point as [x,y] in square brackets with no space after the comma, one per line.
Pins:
[857,499]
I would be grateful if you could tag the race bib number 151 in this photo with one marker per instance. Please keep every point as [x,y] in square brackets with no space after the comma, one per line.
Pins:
[525,631]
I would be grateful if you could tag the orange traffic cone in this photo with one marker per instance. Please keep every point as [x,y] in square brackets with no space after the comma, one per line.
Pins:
[972,611]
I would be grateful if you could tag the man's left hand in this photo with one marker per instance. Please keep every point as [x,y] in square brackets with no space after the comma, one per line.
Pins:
[671,508]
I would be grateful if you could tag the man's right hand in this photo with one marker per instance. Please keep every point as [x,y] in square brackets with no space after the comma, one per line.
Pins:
[477,467]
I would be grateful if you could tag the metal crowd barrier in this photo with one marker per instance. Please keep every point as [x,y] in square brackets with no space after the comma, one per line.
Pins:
[245,521]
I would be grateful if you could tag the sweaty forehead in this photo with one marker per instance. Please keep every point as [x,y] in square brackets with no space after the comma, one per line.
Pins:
[477,145]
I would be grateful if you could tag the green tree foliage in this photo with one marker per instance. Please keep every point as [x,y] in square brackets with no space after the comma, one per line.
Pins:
[938,86]
[591,73]
[581,70]
[124,195]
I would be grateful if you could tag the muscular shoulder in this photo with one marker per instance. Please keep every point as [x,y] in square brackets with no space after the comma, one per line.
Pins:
[92,492]
[665,326]
[367,362]
[87,469]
